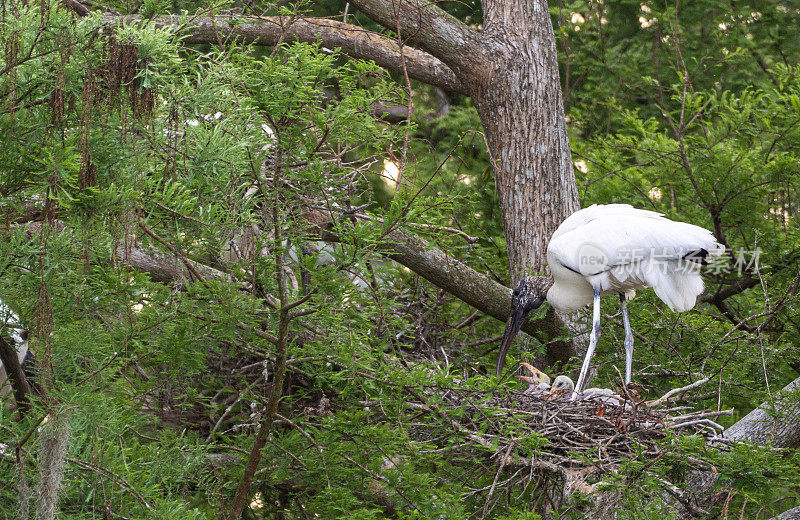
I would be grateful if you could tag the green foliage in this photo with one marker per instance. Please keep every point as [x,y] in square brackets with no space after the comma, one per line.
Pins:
[174,186]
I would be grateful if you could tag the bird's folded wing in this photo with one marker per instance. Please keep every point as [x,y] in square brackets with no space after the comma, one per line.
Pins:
[607,242]
[595,211]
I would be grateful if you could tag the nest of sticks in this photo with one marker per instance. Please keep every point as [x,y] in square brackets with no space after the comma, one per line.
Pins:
[555,433]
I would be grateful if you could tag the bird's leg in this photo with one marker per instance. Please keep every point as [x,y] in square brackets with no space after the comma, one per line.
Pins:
[628,338]
[593,336]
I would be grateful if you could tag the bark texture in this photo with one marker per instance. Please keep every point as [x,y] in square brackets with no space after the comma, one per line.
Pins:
[12,368]
[351,39]
[167,268]
[523,113]
[776,425]
[421,23]
[453,276]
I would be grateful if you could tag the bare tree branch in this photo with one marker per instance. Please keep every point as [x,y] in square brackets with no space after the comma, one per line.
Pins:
[422,23]
[13,368]
[733,289]
[167,268]
[664,398]
[446,272]
[465,283]
[775,425]
[78,8]
[352,40]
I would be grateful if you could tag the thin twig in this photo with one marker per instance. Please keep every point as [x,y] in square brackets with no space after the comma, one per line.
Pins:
[664,398]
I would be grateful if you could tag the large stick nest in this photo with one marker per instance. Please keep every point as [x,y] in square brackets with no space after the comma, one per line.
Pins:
[541,431]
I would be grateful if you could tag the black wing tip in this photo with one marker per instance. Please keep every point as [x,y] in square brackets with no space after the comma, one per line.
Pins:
[699,256]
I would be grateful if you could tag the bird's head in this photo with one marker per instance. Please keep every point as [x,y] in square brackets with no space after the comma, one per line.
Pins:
[537,378]
[562,387]
[529,295]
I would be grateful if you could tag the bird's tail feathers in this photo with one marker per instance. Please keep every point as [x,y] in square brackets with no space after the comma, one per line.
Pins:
[679,289]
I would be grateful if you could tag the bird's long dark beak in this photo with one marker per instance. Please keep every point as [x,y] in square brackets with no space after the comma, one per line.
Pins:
[514,323]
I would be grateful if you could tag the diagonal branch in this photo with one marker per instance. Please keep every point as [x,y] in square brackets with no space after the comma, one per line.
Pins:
[466,284]
[9,363]
[455,277]
[352,40]
[424,24]
[725,292]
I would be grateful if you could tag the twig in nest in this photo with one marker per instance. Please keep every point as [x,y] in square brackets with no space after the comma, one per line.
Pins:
[664,398]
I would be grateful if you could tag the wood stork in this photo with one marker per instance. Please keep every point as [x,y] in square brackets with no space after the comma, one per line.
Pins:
[614,248]
[562,387]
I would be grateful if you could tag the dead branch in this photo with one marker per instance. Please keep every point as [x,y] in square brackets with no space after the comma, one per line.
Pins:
[664,398]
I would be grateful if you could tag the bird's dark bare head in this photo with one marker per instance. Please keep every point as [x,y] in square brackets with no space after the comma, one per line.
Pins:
[527,296]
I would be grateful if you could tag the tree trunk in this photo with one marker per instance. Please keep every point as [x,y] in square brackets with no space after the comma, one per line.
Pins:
[522,111]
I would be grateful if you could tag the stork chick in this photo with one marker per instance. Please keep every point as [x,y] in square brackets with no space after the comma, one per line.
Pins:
[538,381]
[564,387]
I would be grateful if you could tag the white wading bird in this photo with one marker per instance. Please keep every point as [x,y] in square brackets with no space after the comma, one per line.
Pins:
[614,248]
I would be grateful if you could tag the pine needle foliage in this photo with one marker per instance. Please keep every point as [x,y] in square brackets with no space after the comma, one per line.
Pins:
[195,234]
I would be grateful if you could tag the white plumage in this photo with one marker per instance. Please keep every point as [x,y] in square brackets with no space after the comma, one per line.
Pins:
[620,249]
[616,248]
[564,387]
